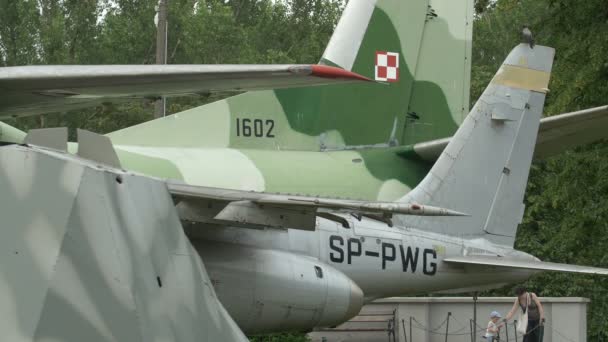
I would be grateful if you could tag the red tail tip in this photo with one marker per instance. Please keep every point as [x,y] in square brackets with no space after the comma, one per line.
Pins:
[334,72]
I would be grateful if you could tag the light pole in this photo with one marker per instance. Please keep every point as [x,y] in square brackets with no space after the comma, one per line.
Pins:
[160,19]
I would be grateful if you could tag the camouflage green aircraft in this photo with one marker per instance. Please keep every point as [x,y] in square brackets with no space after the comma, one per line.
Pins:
[350,171]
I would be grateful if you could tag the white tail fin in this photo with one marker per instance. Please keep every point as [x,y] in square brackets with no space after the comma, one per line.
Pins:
[484,169]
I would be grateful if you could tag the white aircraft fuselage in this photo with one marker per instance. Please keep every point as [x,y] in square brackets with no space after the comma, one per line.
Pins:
[382,261]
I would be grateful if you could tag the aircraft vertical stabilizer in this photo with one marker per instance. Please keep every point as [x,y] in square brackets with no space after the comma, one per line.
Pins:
[484,169]
[429,93]
[418,51]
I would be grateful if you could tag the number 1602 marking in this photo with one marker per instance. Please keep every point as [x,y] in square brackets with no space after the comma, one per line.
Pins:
[257,127]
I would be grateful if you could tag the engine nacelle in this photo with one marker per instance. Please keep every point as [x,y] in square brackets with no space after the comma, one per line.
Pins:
[269,290]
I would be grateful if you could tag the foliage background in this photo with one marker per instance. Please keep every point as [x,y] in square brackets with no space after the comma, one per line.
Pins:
[566,218]
[567,204]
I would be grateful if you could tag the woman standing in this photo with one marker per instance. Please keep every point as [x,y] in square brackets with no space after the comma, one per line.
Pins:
[529,302]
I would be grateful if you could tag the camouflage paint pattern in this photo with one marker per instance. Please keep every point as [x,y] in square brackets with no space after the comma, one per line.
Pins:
[327,140]
[86,258]
[10,134]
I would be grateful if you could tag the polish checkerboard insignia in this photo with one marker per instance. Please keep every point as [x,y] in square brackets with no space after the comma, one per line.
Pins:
[387,66]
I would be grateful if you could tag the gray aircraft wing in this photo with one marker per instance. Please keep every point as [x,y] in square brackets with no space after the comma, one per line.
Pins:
[263,209]
[564,131]
[493,261]
[556,134]
[29,90]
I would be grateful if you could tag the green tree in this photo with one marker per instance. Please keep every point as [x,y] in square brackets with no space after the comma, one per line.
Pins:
[19,34]
[52,32]
[566,217]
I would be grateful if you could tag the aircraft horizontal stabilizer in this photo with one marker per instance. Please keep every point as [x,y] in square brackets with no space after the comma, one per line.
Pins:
[555,134]
[30,90]
[261,209]
[560,132]
[495,261]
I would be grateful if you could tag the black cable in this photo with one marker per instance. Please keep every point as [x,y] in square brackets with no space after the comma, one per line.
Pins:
[420,326]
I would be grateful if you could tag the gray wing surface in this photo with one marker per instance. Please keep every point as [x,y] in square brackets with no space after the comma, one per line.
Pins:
[29,90]
[492,261]
[564,131]
[556,134]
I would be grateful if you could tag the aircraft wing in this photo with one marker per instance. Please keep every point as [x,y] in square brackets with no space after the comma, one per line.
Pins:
[262,209]
[564,131]
[492,261]
[556,134]
[29,90]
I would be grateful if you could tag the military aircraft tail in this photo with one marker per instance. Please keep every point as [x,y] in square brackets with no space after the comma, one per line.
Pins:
[484,169]
[418,51]
[406,44]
